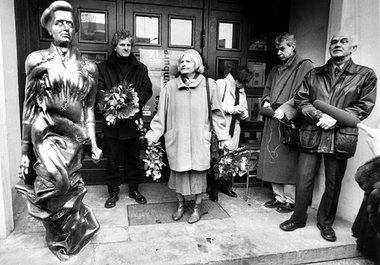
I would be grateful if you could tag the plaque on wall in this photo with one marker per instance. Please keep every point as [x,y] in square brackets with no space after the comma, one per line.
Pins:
[162,67]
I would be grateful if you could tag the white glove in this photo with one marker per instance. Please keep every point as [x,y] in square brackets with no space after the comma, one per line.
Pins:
[278,114]
[326,122]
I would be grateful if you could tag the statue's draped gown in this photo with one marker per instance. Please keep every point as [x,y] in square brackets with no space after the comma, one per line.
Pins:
[59,99]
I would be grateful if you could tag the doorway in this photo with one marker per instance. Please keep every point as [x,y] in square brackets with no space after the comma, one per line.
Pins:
[226,32]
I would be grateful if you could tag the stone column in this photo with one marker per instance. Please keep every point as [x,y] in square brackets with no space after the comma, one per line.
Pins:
[9,116]
[362,20]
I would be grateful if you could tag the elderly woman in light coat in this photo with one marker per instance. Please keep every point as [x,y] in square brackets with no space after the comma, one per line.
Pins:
[182,118]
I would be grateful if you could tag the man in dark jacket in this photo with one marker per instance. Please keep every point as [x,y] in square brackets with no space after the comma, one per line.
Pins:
[122,144]
[344,85]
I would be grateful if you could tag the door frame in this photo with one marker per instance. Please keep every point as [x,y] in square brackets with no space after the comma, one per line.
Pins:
[28,33]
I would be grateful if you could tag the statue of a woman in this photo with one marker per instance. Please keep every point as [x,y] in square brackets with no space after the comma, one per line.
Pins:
[58,118]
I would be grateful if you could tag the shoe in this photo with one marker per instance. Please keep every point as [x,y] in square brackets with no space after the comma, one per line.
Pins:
[196,215]
[228,191]
[179,212]
[213,195]
[327,233]
[285,208]
[273,203]
[135,194]
[290,226]
[111,201]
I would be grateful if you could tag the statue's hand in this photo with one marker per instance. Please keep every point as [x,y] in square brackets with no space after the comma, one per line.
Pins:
[24,167]
[96,154]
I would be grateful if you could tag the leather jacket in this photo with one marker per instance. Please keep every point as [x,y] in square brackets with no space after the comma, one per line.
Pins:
[353,90]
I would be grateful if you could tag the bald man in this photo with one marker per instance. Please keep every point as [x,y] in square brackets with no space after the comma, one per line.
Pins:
[347,86]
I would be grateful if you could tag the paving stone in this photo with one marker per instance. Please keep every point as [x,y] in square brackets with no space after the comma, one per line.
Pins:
[153,252]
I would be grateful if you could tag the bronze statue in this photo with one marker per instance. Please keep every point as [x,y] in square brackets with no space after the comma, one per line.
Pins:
[58,118]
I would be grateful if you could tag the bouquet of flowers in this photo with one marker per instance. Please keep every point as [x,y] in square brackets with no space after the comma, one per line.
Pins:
[153,155]
[153,161]
[119,103]
[233,162]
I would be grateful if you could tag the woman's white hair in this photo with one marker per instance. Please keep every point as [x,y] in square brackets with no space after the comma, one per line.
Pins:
[196,58]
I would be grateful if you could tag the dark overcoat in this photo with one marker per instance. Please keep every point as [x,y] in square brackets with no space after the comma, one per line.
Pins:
[277,161]
[110,75]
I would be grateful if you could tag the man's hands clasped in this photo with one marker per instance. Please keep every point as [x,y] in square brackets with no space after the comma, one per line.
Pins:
[326,122]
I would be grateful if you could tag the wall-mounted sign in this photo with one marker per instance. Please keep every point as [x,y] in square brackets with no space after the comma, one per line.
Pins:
[162,66]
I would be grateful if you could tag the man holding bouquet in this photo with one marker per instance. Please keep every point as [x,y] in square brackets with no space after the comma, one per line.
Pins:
[121,135]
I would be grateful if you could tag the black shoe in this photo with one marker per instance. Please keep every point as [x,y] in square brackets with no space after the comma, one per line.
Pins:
[228,191]
[290,226]
[285,208]
[111,201]
[327,233]
[135,194]
[273,203]
[213,195]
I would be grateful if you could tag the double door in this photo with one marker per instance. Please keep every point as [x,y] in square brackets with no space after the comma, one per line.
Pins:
[226,32]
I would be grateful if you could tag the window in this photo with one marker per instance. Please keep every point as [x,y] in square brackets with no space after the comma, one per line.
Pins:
[224,66]
[258,70]
[147,30]
[93,27]
[228,35]
[181,32]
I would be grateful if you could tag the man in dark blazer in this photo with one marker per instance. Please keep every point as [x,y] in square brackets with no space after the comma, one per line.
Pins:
[122,143]
[346,86]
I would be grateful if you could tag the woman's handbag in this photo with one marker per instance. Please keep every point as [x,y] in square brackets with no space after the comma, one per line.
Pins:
[215,152]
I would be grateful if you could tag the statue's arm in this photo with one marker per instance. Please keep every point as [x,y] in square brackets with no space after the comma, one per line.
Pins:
[30,108]
[90,113]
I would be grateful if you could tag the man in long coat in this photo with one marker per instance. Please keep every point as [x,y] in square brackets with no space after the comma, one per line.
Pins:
[347,86]
[278,160]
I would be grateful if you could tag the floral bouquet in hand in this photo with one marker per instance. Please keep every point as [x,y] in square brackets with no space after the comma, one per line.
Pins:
[153,155]
[153,161]
[119,103]
[233,162]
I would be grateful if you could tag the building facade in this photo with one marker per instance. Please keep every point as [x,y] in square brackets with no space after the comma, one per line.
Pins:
[226,32]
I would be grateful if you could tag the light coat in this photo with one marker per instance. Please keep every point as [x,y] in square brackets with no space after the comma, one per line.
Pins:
[182,118]
[227,93]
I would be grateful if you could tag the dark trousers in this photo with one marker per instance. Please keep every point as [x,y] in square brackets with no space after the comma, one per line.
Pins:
[308,168]
[215,184]
[124,153]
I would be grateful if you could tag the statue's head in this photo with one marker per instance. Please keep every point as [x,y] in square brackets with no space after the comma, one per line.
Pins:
[60,21]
